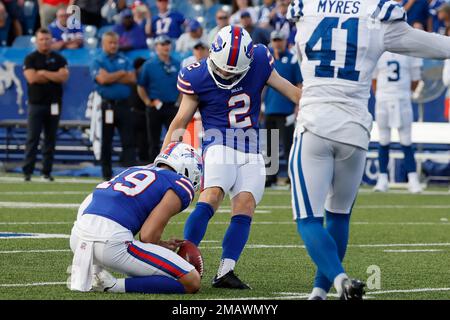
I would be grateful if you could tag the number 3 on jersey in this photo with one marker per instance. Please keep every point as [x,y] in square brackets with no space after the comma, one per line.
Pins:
[326,54]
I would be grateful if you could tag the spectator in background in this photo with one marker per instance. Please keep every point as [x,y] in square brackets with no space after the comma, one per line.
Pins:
[90,11]
[139,119]
[417,10]
[280,113]
[157,87]
[434,24]
[131,35]
[194,33]
[222,20]
[259,35]
[63,37]
[48,10]
[241,6]
[279,22]
[167,23]
[113,74]
[15,13]
[266,11]
[444,15]
[45,72]
[200,52]
[3,15]
[142,16]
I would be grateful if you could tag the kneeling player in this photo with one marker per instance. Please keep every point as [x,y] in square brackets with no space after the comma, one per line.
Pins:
[140,199]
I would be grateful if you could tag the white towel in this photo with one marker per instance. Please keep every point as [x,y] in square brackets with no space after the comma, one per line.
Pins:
[82,267]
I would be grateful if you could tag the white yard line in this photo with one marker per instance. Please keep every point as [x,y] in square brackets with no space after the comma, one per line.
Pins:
[35,284]
[50,193]
[262,246]
[35,251]
[28,235]
[37,179]
[362,223]
[413,250]
[224,209]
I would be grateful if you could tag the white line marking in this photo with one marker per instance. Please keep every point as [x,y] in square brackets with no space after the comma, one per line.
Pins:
[35,251]
[414,250]
[28,235]
[36,284]
[37,205]
[25,193]
[370,192]
[37,180]
[408,290]
[362,223]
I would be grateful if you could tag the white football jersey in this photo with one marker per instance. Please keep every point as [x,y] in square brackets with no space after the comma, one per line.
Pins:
[340,43]
[394,74]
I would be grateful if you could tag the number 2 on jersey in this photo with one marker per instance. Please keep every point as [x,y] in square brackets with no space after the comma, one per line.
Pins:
[326,54]
[244,100]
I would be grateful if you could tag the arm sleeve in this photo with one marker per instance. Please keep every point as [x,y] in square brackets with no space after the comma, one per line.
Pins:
[62,62]
[400,38]
[143,79]
[184,189]
[184,84]
[95,68]
[28,63]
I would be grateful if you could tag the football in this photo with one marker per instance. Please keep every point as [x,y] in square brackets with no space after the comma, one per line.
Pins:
[189,252]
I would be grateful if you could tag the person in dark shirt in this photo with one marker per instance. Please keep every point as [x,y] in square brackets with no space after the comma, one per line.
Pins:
[259,35]
[138,108]
[131,35]
[45,72]
[113,74]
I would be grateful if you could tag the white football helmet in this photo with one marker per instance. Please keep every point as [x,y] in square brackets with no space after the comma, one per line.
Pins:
[232,52]
[183,158]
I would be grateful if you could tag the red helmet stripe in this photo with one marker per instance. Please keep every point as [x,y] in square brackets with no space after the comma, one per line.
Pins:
[236,35]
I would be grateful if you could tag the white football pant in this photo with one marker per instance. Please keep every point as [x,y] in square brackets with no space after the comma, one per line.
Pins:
[234,171]
[394,115]
[324,175]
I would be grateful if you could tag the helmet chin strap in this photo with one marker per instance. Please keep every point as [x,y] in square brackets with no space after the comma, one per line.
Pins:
[213,70]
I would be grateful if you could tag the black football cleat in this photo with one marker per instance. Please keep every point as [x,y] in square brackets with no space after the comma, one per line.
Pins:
[352,289]
[315,298]
[229,281]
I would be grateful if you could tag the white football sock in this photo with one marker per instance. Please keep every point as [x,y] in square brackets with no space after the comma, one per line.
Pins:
[318,292]
[226,265]
[119,287]
[338,282]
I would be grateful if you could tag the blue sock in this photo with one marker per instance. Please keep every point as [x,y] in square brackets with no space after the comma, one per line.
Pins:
[197,223]
[409,162]
[320,246]
[383,158]
[153,284]
[338,226]
[236,237]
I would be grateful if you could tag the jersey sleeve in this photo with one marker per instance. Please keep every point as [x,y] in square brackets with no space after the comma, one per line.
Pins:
[184,82]
[29,62]
[416,69]
[389,11]
[184,189]
[266,61]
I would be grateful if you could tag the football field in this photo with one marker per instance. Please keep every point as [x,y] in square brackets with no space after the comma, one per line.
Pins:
[399,244]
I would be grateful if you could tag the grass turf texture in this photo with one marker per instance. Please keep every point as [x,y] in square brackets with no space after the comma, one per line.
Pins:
[282,270]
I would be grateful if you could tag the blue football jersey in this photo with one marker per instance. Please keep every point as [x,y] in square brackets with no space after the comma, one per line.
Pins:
[169,24]
[130,197]
[229,111]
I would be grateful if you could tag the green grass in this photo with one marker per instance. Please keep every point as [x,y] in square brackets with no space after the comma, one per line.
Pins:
[381,219]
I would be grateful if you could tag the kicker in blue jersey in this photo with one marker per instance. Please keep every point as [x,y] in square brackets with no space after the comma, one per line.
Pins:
[228,112]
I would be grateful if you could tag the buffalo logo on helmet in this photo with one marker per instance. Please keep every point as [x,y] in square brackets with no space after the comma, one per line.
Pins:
[249,50]
[217,45]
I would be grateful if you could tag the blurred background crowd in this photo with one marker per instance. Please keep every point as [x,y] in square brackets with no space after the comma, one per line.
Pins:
[184,21]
